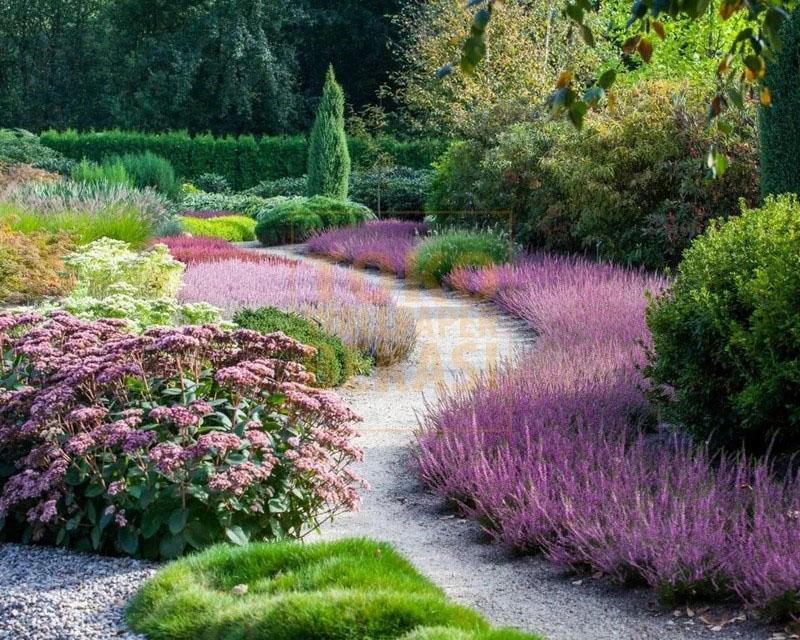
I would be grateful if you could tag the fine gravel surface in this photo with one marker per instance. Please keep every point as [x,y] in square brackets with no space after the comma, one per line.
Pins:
[53,594]
[459,337]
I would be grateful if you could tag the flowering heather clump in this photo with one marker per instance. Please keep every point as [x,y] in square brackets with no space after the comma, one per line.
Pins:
[347,305]
[147,445]
[550,454]
[384,244]
[193,249]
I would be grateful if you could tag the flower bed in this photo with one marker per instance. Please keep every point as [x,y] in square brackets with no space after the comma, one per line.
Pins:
[384,244]
[194,249]
[149,445]
[361,313]
[551,454]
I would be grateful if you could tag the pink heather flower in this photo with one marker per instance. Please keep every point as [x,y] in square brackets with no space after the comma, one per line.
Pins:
[87,415]
[219,441]
[167,456]
[120,519]
[259,440]
[201,408]
[116,487]
[80,444]
[238,478]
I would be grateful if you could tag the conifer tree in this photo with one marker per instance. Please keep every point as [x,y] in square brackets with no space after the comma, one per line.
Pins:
[328,157]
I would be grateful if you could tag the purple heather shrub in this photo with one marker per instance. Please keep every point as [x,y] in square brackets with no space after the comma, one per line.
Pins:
[151,444]
[384,244]
[362,313]
[192,249]
[552,453]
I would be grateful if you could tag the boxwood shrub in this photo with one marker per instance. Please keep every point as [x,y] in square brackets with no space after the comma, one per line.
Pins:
[295,219]
[333,362]
[726,336]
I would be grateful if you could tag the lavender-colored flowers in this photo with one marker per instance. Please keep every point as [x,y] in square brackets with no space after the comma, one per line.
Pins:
[552,453]
[348,305]
[193,249]
[384,244]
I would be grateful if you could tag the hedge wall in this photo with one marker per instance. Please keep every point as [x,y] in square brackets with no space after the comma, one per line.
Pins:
[244,161]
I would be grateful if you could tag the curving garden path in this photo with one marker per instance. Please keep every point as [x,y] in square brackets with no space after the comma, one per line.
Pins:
[458,337]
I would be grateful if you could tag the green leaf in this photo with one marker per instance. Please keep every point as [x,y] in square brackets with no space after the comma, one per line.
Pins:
[96,534]
[151,522]
[588,36]
[736,97]
[91,512]
[128,540]
[172,546]
[577,111]
[237,535]
[177,521]
[277,505]
[607,79]
[94,489]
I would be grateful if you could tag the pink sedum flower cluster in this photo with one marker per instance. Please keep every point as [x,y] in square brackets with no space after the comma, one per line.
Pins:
[151,444]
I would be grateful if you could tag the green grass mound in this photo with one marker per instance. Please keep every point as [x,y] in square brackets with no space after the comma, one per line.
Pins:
[438,255]
[333,363]
[231,228]
[353,589]
[293,220]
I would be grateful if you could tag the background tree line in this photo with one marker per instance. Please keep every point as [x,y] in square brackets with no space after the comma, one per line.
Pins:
[226,66]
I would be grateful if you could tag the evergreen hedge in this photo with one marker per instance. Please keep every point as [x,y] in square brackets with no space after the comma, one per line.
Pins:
[243,162]
[780,122]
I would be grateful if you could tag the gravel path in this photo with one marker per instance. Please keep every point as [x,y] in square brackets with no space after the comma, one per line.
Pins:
[458,336]
[50,594]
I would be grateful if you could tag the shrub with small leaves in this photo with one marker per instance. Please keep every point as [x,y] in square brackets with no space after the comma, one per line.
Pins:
[156,444]
[212,183]
[31,265]
[232,227]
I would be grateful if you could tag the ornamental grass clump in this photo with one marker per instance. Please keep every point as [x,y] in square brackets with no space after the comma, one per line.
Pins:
[383,244]
[346,305]
[554,453]
[151,445]
[436,256]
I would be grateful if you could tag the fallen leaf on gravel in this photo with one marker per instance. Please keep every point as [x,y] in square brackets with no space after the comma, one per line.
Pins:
[577,583]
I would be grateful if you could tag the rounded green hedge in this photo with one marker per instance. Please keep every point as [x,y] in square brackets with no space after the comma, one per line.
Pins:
[438,255]
[333,363]
[726,336]
[230,228]
[294,220]
[351,589]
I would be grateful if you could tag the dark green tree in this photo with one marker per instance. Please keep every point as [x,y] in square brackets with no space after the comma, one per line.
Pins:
[780,122]
[328,157]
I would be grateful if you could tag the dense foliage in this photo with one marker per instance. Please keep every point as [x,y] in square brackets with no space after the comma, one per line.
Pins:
[350,589]
[18,145]
[780,121]
[156,444]
[726,336]
[146,169]
[139,288]
[633,186]
[212,183]
[31,265]
[436,256]
[295,219]
[328,172]
[332,364]
[243,161]
[228,227]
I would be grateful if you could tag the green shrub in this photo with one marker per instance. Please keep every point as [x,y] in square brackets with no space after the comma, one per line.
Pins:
[149,170]
[20,146]
[328,156]
[437,255]
[231,228]
[351,589]
[295,219]
[110,172]
[212,183]
[333,363]
[399,189]
[246,204]
[288,187]
[780,123]
[726,336]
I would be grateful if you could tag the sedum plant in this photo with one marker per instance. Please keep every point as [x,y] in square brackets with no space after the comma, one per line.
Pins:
[156,444]
[112,281]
